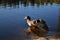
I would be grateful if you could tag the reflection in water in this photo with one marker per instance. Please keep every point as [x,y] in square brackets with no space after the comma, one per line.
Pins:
[15,3]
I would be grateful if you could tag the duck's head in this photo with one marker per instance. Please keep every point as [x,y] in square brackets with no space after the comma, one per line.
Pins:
[27,18]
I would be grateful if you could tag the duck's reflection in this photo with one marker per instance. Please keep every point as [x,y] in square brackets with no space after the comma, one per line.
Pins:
[42,31]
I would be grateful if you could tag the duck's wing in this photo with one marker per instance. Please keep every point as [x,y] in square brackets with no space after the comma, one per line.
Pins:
[46,27]
[38,31]
[42,21]
[43,26]
[34,22]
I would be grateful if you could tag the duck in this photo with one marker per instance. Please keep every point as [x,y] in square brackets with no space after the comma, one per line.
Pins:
[36,26]
[34,22]
[29,21]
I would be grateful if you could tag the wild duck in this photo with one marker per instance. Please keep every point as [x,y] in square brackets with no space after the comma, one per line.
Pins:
[36,22]
[37,26]
[29,21]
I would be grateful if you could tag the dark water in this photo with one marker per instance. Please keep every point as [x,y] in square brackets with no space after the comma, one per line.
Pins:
[12,13]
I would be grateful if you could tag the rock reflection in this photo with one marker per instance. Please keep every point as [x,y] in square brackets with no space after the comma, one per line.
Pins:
[15,3]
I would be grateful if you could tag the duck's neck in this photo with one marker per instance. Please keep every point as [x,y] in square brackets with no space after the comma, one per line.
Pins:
[28,22]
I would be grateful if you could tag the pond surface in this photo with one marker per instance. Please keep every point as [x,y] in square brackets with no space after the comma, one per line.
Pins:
[12,23]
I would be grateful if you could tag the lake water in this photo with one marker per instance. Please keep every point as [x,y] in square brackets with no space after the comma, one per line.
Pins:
[12,13]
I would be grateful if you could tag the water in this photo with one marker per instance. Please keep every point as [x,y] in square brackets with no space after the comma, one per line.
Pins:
[12,13]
